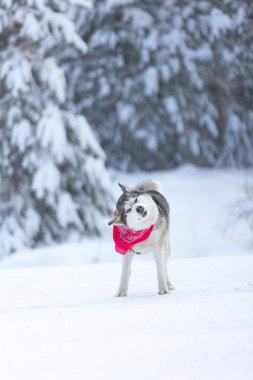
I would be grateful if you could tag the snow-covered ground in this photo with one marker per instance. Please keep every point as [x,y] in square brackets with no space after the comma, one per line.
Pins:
[62,323]
[59,319]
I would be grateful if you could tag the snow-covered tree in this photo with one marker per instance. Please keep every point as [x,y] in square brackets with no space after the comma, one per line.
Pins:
[242,209]
[54,185]
[170,81]
[235,57]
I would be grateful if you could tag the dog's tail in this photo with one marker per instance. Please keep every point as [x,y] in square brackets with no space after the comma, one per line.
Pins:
[149,185]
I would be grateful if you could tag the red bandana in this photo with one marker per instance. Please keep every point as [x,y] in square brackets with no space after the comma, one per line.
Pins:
[125,239]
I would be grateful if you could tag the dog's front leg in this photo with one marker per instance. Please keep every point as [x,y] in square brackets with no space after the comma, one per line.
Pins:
[161,271]
[125,274]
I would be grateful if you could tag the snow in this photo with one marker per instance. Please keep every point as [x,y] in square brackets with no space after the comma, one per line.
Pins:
[105,88]
[81,3]
[210,124]
[234,123]
[172,108]
[219,21]
[7,3]
[138,18]
[151,81]
[125,112]
[85,135]
[202,203]
[194,142]
[21,134]
[173,40]
[203,53]
[108,39]
[61,25]
[59,318]
[64,322]
[32,223]
[114,3]
[53,78]
[17,77]
[46,181]
[7,243]
[32,28]
[174,65]
[151,41]
[165,72]
[45,148]
[51,132]
[36,3]
[67,211]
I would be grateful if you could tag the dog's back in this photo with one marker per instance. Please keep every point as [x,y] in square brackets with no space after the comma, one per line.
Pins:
[154,189]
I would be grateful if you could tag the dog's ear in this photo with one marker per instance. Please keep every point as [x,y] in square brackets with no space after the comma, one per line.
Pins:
[124,188]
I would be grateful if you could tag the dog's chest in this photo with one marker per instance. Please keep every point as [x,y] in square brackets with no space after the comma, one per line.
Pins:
[147,245]
[156,238]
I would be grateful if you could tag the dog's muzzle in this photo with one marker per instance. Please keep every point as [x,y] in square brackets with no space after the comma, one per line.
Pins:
[112,221]
[141,211]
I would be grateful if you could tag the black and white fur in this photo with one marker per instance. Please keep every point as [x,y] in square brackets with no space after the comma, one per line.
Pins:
[137,209]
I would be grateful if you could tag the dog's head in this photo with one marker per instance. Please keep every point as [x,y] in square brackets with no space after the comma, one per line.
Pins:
[135,209]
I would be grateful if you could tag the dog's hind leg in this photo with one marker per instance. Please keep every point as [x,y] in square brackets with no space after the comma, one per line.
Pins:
[161,270]
[166,258]
[125,274]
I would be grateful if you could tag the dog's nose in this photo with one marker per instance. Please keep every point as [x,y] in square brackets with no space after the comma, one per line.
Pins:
[140,209]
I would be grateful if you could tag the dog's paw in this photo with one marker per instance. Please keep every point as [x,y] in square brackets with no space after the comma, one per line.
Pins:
[121,293]
[170,286]
[163,291]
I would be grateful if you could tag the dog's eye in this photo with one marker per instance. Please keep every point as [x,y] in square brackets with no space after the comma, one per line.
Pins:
[128,210]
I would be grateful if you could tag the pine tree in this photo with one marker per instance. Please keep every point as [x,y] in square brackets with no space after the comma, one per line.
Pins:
[170,81]
[54,185]
[236,65]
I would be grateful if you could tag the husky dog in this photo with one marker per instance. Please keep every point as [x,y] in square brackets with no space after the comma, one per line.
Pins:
[137,209]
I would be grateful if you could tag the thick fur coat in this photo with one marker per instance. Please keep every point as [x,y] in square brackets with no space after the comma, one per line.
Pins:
[137,209]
